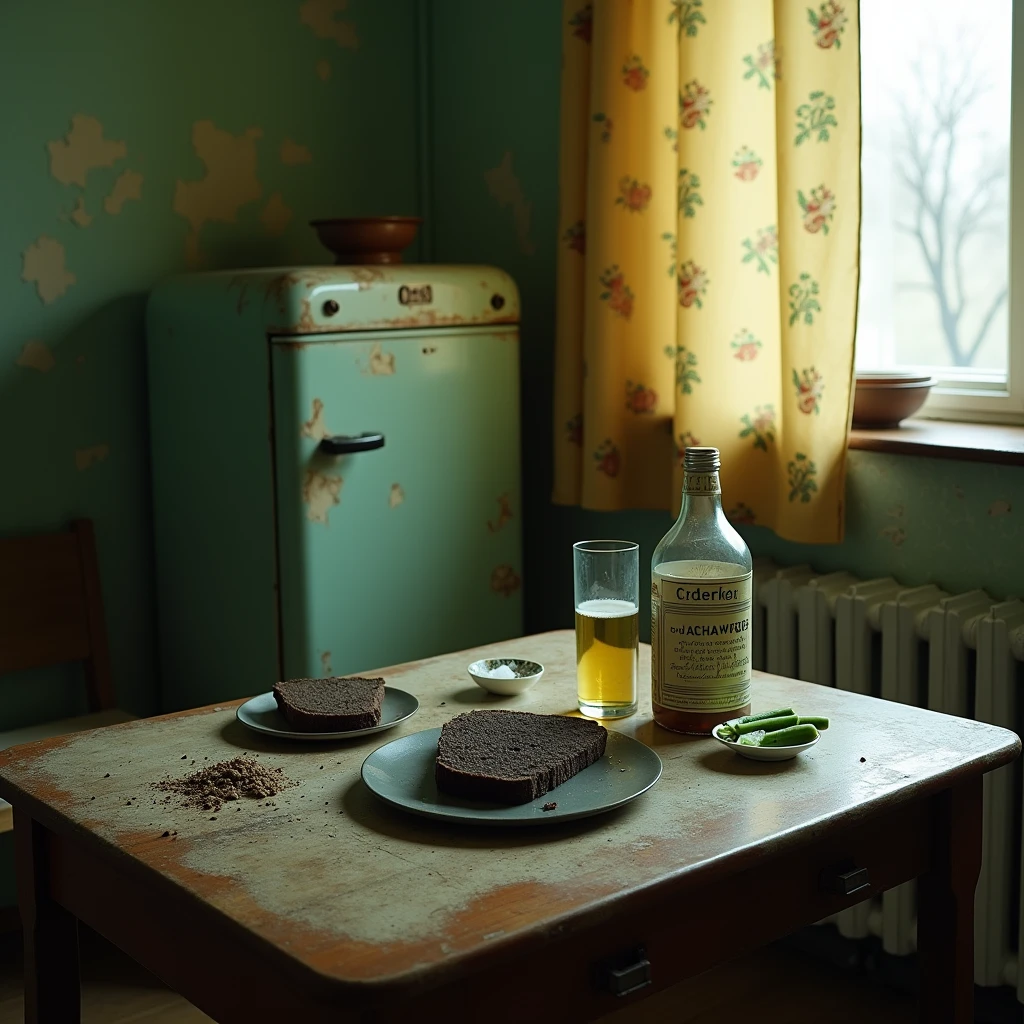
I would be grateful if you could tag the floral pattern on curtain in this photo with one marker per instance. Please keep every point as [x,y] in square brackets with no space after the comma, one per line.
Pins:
[708,254]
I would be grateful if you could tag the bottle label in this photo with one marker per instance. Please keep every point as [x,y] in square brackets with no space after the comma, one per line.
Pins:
[700,639]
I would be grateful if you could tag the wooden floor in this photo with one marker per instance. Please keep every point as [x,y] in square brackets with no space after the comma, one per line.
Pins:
[115,989]
[785,987]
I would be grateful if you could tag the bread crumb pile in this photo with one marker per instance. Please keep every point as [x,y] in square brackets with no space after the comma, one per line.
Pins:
[210,787]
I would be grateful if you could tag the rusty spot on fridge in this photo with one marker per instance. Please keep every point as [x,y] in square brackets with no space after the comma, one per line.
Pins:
[381,363]
[306,323]
[315,427]
[320,493]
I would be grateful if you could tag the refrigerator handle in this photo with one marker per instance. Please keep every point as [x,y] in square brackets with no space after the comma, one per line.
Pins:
[342,445]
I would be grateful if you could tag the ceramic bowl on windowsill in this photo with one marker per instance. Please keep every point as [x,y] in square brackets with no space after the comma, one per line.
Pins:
[886,399]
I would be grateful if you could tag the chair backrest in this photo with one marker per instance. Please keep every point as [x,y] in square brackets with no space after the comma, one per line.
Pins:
[51,608]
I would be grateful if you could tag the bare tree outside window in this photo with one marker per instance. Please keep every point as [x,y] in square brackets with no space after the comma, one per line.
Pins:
[947,214]
[935,165]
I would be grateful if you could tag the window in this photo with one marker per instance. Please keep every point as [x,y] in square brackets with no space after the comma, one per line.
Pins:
[936,237]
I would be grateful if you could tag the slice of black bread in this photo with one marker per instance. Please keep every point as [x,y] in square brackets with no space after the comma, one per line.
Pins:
[332,704]
[513,757]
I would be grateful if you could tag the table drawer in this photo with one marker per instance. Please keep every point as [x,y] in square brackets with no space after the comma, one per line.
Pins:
[568,974]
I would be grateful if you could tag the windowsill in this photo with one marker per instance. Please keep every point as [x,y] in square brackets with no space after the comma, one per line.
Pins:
[942,439]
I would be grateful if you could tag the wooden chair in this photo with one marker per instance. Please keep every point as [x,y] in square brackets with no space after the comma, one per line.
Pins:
[51,611]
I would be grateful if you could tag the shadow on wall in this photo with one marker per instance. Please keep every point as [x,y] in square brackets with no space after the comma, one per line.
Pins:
[61,406]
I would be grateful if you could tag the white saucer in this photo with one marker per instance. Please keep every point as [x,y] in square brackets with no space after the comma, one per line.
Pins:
[525,674]
[763,753]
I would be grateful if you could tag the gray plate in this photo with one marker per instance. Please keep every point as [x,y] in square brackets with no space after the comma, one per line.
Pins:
[260,713]
[402,773]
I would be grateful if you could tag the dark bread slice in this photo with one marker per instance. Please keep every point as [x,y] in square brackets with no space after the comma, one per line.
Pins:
[332,704]
[513,757]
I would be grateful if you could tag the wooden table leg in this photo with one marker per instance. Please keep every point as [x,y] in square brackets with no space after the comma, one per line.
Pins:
[52,989]
[945,907]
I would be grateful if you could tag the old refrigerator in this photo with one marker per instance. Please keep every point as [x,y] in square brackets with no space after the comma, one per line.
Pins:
[335,462]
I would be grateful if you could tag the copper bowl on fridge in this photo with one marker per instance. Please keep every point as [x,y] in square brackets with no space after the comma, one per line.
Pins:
[359,240]
[886,399]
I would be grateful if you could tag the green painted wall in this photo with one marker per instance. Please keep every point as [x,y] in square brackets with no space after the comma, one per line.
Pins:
[313,102]
[958,524]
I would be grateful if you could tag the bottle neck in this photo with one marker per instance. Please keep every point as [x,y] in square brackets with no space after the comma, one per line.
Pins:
[702,496]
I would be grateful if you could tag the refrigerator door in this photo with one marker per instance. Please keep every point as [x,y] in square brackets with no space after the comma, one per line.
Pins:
[388,554]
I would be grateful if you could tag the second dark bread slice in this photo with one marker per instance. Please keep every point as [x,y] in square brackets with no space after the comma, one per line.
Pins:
[513,757]
[333,704]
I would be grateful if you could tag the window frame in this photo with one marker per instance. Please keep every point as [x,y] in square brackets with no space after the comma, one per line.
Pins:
[985,397]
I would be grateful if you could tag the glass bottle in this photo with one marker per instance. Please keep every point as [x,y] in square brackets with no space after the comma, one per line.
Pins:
[701,582]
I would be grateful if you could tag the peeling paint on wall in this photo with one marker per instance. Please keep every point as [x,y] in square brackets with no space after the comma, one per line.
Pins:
[43,265]
[506,187]
[505,580]
[895,533]
[315,427]
[73,370]
[128,186]
[504,513]
[80,215]
[36,355]
[229,184]
[87,457]
[396,497]
[83,149]
[1000,508]
[293,153]
[321,16]
[276,216]
[320,493]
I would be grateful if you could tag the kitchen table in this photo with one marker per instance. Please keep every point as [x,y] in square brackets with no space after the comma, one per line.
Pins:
[324,904]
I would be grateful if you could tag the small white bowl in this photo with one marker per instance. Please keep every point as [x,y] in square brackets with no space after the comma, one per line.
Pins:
[763,753]
[527,673]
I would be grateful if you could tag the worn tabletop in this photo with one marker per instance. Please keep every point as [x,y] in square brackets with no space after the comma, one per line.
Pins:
[357,892]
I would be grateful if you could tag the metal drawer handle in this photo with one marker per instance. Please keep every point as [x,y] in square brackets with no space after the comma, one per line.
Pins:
[629,972]
[342,445]
[629,979]
[846,882]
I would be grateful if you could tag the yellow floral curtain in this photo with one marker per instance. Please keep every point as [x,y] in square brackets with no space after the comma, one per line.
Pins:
[708,256]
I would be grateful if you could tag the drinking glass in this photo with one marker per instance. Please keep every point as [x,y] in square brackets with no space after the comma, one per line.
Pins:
[606,578]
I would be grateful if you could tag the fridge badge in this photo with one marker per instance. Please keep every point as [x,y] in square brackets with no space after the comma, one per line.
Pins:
[415,295]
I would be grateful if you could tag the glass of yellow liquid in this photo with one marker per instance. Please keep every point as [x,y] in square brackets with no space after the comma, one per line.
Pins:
[606,574]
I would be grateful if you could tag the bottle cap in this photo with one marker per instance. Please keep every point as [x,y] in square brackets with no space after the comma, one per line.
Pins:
[701,460]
